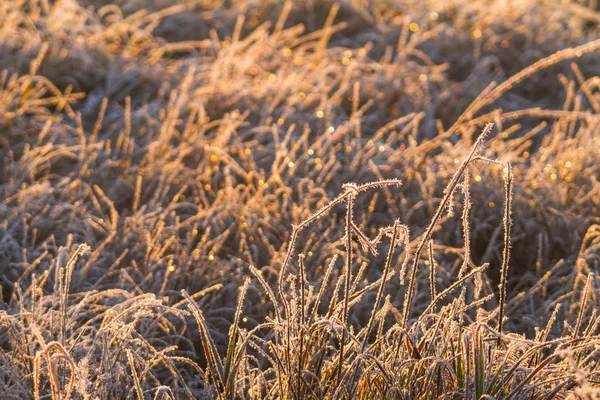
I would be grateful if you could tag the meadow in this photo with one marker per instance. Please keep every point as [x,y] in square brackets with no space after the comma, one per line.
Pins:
[321,199]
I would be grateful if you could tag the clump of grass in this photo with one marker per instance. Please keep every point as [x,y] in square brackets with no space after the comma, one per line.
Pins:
[438,354]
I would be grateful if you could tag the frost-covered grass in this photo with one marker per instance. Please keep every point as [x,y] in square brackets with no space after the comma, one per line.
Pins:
[321,199]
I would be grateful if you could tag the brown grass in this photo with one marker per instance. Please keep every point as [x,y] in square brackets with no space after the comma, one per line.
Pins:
[224,199]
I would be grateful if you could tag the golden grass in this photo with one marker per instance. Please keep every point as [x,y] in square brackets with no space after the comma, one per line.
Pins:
[336,199]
